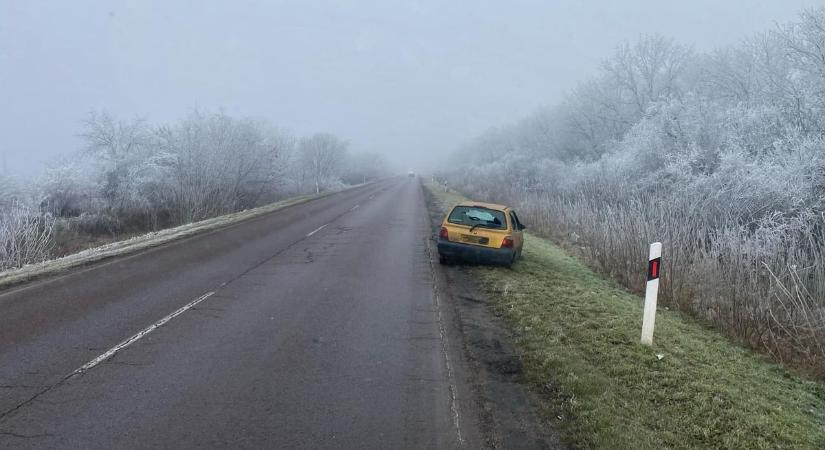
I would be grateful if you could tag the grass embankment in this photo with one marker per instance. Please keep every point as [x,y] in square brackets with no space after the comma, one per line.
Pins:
[578,335]
[140,242]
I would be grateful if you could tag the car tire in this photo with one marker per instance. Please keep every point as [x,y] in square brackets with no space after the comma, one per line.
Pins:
[442,260]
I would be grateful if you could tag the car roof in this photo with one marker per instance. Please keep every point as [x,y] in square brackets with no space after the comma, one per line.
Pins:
[484,205]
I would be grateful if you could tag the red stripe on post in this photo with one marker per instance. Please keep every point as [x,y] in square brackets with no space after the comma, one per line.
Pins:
[653,269]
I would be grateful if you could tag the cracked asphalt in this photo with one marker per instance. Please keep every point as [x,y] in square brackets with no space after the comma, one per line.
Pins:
[334,340]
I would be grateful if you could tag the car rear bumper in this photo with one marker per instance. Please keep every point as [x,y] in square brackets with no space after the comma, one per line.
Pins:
[474,253]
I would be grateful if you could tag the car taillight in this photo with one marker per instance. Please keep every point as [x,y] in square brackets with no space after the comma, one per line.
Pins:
[507,242]
[443,234]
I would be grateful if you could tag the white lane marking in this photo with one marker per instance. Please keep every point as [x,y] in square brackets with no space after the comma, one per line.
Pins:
[445,349]
[111,352]
[450,375]
[317,229]
[354,207]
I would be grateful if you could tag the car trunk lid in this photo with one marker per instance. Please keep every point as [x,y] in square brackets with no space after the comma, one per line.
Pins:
[481,236]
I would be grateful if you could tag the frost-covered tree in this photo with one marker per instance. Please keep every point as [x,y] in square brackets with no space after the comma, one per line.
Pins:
[137,176]
[116,147]
[648,70]
[213,164]
[68,190]
[717,155]
[320,159]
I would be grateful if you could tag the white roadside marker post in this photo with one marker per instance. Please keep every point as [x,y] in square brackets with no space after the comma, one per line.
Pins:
[653,267]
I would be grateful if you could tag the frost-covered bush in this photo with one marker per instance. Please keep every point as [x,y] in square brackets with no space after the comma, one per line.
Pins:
[68,190]
[211,164]
[25,236]
[721,157]
[132,176]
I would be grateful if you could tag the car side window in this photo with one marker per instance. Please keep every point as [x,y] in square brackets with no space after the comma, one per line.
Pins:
[516,223]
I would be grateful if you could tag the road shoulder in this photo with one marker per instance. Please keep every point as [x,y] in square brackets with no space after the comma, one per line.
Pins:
[578,336]
[508,413]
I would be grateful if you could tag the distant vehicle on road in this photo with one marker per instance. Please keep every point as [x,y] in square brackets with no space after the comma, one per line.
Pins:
[481,232]
[411,174]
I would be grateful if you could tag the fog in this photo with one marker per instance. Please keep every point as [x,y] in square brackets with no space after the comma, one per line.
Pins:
[409,80]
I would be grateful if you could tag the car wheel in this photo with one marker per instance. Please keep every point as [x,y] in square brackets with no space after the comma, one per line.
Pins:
[512,260]
[442,260]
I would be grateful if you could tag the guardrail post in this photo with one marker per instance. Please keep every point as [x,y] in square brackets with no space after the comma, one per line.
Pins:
[654,265]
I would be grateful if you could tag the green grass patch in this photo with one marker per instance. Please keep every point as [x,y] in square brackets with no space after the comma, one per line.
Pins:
[578,335]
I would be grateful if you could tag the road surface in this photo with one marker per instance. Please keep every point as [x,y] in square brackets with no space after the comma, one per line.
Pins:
[317,326]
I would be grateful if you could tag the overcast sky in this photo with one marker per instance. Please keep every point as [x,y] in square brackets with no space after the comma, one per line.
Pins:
[410,79]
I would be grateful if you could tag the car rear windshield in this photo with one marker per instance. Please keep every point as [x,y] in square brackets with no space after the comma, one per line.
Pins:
[478,216]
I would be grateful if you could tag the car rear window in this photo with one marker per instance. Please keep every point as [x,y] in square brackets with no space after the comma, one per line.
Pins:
[480,216]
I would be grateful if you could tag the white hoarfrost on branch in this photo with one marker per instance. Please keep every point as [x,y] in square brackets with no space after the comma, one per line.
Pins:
[132,177]
[25,236]
[719,156]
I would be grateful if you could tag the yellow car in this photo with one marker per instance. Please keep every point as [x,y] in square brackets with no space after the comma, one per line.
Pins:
[481,232]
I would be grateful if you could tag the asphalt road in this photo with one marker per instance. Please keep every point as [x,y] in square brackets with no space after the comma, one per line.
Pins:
[317,326]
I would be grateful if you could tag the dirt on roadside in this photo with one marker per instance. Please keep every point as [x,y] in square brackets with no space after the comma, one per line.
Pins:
[510,414]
